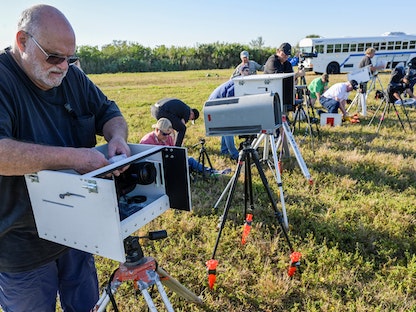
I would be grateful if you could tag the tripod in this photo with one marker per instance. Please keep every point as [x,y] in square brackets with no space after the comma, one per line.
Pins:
[203,156]
[309,114]
[144,272]
[247,155]
[360,101]
[387,104]
[360,98]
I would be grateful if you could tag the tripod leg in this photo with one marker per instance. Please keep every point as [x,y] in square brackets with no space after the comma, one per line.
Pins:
[407,116]
[270,195]
[279,181]
[375,113]
[384,113]
[398,116]
[105,298]
[223,193]
[208,160]
[295,148]
[248,186]
[177,287]
[148,300]
[101,304]
[241,159]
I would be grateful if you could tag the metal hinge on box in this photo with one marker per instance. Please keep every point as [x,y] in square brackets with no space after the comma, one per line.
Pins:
[91,186]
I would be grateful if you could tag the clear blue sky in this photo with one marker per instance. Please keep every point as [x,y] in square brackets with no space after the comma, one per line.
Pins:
[190,22]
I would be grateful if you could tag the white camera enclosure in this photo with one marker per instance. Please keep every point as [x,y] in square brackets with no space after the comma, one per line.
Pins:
[82,211]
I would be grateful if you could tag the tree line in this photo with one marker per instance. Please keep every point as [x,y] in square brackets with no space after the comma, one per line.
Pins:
[122,56]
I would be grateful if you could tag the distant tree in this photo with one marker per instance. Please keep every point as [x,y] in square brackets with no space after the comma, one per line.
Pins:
[257,43]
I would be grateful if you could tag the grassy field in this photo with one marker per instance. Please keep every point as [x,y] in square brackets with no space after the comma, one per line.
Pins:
[355,225]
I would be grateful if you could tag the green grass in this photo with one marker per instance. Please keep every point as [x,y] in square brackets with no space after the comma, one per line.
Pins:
[355,226]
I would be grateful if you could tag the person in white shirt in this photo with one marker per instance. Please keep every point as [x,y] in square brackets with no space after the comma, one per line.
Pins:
[336,97]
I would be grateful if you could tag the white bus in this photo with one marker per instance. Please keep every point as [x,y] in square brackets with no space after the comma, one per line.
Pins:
[342,55]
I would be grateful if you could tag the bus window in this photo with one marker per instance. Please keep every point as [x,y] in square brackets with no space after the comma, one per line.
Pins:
[337,48]
[390,45]
[353,47]
[405,45]
[330,48]
[382,46]
[376,45]
[368,45]
[360,47]
[345,47]
[306,50]
[398,45]
[319,48]
[412,44]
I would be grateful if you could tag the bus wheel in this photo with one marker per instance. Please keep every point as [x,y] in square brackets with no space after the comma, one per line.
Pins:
[332,68]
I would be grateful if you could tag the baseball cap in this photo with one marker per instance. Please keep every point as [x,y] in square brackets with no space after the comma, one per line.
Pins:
[286,48]
[196,113]
[163,124]
[244,54]
[354,84]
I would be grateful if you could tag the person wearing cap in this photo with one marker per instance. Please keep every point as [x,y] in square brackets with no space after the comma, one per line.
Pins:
[317,87]
[279,62]
[177,112]
[224,90]
[162,135]
[245,61]
[336,97]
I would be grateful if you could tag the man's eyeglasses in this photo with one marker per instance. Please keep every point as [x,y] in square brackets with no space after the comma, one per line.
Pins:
[53,58]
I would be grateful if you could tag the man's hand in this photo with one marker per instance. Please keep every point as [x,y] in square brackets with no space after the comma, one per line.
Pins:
[118,146]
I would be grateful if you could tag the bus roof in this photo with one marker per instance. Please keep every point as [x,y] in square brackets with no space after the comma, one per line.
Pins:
[384,37]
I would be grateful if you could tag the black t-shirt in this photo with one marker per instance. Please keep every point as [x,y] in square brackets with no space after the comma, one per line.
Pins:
[69,115]
[396,84]
[274,66]
[175,110]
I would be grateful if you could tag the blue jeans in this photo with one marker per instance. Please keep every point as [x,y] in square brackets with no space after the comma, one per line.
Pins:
[228,146]
[330,104]
[195,165]
[72,275]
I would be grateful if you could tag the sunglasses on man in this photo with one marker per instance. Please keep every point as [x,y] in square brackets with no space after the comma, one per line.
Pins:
[54,59]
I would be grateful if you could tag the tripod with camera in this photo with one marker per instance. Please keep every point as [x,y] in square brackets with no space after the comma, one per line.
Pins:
[145,273]
[247,156]
[385,105]
[308,115]
[202,159]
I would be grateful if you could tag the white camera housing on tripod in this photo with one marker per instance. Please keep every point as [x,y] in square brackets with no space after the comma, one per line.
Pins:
[83,211]
[244,115]
[361,75]
[282,84]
